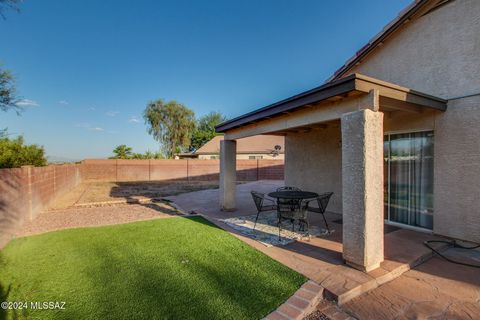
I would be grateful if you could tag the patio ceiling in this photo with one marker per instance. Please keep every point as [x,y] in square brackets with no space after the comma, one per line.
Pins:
[327,103]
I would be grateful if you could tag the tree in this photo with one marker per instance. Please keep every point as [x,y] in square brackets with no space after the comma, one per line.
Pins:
[148,155]
[205,129]
[8,97]
[122,152]
[8,4]
[14,154]
[171,124]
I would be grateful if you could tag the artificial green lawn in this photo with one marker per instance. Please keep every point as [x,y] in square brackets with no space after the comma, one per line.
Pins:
[177,268]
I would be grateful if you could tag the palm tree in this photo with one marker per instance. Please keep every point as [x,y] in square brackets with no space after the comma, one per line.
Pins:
[122,152]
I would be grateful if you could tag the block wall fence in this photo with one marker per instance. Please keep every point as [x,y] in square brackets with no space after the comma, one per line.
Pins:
[26,191]
[178,170]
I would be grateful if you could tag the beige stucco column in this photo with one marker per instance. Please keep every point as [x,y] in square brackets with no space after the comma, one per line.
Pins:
[228,174]
[362,184]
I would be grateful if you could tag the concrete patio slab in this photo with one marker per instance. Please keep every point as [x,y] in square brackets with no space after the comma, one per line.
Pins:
[319,259]
[436,289]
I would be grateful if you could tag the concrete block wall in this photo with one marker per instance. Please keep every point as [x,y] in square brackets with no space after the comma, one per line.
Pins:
[42,188]
[100,170]
[13,202]
[133,170]
[26,191]
[270,169]
[203,170]
[168,170]
[178,170]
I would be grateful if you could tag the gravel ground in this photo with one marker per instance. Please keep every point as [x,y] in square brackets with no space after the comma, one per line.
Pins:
[316,315]
[96,216]
[108,191]
[100,191]
[87,205]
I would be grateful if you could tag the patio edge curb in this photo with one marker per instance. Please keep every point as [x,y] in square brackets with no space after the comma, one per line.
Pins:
[303,302]
[331,290]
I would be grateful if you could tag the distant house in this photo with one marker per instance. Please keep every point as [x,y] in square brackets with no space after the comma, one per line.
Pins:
[255,147]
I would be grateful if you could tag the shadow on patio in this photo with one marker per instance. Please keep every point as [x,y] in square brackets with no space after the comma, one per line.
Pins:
[319,258]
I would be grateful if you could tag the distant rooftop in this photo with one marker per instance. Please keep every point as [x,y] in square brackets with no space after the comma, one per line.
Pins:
[256,144]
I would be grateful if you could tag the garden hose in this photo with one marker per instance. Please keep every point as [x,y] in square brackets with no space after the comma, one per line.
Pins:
[454,244]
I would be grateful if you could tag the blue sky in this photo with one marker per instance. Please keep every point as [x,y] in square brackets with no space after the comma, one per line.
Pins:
[86,69]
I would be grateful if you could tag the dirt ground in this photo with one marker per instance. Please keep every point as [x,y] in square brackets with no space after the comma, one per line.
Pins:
[77,217]
[97,193]
[105,203]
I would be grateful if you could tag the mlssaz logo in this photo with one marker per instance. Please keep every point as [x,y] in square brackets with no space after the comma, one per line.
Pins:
[47,305]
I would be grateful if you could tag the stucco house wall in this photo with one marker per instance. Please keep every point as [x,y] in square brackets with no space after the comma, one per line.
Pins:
[318,154]
[438,54]
[313,161]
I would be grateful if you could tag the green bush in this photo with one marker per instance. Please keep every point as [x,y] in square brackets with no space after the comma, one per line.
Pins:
[14,153]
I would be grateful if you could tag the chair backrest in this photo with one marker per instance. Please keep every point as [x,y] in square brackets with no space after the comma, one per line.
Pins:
[258,199]
[323,200]
[287,188]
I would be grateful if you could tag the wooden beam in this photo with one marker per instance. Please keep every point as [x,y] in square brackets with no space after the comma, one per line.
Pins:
[397,105]
[326,112]
[365,84]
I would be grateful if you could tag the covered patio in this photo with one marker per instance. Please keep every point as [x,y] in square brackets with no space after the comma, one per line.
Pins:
[343,122]
[318,258]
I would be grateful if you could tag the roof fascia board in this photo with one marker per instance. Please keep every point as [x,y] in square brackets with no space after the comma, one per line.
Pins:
[354,82]
[336,88]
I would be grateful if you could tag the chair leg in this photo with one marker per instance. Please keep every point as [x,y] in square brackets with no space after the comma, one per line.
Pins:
[279,230]
[258,213]
[326,224]
[304,225]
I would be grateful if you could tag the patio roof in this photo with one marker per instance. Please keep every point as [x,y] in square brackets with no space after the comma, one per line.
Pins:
[391,97]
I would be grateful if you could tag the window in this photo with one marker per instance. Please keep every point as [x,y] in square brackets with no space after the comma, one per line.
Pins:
[255,157]
[409,178]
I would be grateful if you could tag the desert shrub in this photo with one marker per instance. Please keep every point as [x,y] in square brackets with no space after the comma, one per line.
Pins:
[14,153]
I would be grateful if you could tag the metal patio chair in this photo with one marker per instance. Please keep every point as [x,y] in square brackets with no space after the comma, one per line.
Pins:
[260,199]
[293,211]
[322,201]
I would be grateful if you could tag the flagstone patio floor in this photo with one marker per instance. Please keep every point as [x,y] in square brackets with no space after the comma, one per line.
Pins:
[319,258]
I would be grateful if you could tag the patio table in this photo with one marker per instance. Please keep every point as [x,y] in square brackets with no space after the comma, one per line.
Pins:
[293,195]
[290,207]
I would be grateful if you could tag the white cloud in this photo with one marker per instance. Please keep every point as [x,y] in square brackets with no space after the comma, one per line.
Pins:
[134,119]
[89,127]
[112,113]
[63,102]
[27,103]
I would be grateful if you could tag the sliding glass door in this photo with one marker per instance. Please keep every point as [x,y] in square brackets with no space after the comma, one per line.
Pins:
[409,178]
